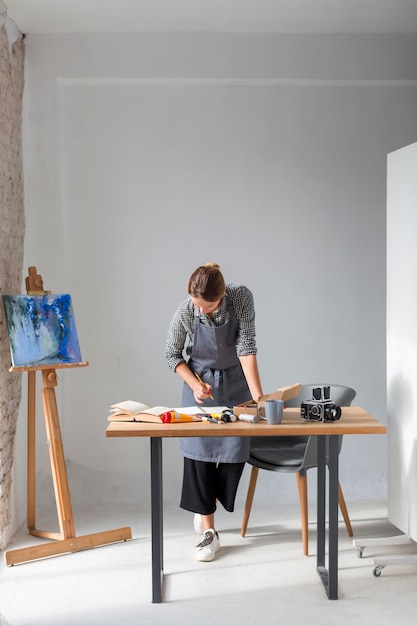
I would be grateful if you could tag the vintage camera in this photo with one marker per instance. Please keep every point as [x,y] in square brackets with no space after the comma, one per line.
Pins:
[320,408]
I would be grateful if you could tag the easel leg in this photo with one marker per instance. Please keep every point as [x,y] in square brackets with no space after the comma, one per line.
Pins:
[31,468]
[56,452]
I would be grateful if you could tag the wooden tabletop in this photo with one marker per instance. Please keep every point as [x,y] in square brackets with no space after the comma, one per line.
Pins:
[354,421]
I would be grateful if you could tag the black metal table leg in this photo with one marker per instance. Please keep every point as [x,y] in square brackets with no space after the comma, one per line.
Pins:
[157,519]
[333,516]
[328,576]
[321,506]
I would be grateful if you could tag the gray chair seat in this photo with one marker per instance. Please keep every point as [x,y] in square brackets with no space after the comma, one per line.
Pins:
[274,457]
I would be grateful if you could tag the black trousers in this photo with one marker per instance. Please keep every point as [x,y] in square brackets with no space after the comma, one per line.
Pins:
[204,483]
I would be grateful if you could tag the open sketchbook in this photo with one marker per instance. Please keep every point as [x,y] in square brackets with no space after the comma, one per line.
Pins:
[131,411]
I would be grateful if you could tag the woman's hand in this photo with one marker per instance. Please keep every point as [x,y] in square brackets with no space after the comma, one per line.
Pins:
[201,392]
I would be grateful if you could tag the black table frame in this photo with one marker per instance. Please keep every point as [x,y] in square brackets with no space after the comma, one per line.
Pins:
[329,575]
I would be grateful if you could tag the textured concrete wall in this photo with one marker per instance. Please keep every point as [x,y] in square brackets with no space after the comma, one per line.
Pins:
[12,228]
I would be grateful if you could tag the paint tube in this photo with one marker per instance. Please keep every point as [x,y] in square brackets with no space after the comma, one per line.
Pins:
[246,417]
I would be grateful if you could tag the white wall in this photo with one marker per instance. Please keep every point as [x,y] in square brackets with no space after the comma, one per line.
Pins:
[146,155]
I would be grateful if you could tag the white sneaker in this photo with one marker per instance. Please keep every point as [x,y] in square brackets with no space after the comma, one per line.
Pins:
[206,550]
[198,524]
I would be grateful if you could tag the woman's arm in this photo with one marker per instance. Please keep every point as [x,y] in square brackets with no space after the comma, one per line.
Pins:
[249,365]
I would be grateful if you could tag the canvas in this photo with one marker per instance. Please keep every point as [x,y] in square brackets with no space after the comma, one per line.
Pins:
[42,330]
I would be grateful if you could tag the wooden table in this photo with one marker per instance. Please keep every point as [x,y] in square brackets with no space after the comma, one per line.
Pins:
[354,421]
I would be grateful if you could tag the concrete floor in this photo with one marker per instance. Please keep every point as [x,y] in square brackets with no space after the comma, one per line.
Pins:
[261,579]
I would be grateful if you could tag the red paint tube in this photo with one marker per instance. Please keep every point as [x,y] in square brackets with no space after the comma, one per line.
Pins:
[170,417]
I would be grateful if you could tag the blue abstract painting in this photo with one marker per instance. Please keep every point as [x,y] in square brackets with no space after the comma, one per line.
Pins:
[42,330]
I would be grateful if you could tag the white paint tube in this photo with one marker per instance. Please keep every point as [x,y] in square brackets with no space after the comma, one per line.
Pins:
[246,417]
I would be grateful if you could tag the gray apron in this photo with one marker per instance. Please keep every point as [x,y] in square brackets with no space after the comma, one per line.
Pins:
[214,358]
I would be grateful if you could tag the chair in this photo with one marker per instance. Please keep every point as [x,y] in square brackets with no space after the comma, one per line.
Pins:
[294,455]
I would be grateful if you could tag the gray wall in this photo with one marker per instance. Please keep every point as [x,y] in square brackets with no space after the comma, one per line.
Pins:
[147,155]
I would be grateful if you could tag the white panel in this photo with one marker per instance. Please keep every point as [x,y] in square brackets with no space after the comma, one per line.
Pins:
[402,338]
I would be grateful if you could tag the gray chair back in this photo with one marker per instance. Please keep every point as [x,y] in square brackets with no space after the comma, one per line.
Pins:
[340,394]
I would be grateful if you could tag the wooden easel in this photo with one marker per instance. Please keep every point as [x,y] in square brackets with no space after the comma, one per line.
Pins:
[65,541]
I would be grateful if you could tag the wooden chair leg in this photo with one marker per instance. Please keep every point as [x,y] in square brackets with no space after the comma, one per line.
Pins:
[303,496]
[249,499]
[343,508]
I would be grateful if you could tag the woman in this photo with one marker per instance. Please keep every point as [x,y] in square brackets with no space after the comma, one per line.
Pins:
[215,326]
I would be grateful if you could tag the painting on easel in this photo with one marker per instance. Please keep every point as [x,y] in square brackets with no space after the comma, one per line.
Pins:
[42,330]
